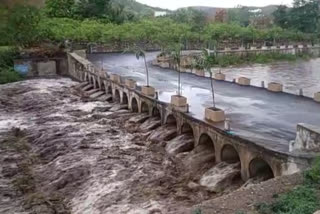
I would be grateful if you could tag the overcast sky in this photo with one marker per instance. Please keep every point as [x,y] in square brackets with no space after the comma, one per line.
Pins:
[174,4]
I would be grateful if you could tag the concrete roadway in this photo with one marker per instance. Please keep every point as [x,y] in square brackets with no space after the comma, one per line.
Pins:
[267,118]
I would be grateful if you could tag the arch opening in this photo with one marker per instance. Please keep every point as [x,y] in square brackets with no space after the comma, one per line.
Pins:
[171,120]
[229,154]
[109,89]
[156,112]
[205,142]
[103,86]
[117,96]
[125,98]
[134,105]
[144,107]
[259,168]
[186,129]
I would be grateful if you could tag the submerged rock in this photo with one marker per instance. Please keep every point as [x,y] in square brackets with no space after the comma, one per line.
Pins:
[220,176]
[182,143]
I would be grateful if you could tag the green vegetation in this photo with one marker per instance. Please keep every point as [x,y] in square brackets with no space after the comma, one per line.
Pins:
[7,74]
[228,60]
[104,21]
[304,16]
[303,199]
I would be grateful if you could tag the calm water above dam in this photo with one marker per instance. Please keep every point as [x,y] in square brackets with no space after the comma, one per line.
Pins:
[265,117]
[293,75]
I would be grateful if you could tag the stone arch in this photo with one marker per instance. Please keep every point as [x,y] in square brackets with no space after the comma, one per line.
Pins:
[206,141]
[134,105]
[229,154]
[125,99]
[171,120]
[258,167]
[116,95]
[186,128]
[155,112]
[144,107]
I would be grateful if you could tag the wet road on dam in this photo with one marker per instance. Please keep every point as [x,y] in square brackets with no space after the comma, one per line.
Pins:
[267,118]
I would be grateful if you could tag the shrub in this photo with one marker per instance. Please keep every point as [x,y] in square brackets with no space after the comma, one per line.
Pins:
[312,176]
[9,75]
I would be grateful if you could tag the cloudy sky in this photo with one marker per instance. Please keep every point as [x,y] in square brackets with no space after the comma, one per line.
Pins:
[174,4]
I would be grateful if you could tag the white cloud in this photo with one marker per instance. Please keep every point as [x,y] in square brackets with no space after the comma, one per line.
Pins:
[174,4]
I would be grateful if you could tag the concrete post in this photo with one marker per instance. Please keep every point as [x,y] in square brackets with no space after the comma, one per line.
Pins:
[301,92]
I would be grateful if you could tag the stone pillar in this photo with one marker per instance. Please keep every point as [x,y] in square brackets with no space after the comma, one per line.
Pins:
[307,138]
[244,81]
[148,91]
[219,76]
[115,78]
[200,72]
[275,87]
[317,97]
[131,83]
[214,114]
[179,102]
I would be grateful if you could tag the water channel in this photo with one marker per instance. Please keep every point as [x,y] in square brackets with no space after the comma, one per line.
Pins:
[267,118]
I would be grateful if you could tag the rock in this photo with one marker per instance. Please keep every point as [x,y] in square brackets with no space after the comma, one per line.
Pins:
[317,212]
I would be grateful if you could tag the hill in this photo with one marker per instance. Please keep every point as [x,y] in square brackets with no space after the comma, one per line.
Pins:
[211,11]
[129,5]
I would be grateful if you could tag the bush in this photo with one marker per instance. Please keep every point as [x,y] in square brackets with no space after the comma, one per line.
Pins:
[301,200]
[312,176]
[9,75]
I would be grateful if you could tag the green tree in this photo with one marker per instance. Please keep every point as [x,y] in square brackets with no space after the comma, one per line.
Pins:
[281,16]
[23,24]
[60,8]
[305,15]
[93,8]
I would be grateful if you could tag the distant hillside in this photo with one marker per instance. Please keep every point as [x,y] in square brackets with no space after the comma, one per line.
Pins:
[211,11]
[130,5]
[11,3]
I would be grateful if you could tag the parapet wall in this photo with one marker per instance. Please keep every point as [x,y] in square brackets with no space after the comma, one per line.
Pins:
[307,138]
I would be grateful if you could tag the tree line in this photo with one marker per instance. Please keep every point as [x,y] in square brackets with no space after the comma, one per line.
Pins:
[101,22]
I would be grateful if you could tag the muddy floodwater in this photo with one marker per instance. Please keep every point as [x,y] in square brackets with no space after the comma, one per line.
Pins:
[63,152]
